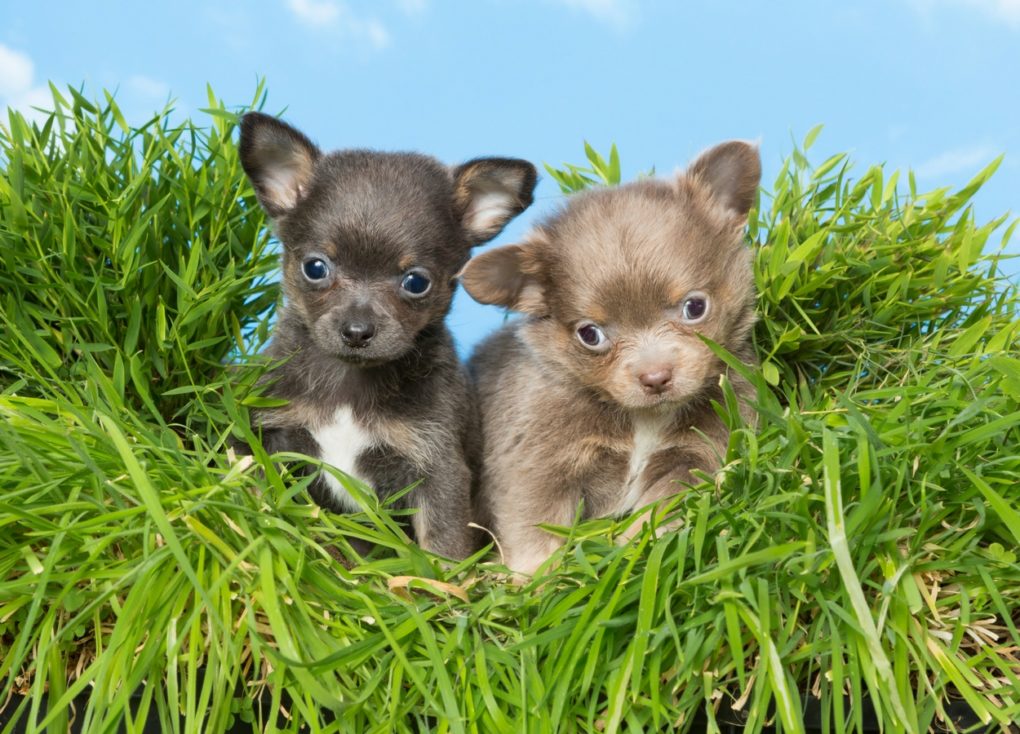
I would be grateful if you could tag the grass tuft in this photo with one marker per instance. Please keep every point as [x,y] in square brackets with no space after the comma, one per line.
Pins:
[857,550]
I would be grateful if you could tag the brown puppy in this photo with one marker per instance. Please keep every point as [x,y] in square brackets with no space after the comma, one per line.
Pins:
[601,396]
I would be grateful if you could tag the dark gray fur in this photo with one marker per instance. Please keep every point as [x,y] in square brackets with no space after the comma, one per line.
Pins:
[374,216]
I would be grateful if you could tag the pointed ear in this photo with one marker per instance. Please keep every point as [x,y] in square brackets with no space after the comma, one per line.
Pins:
[489,192]
[278,159]
[506,276]
[731,171]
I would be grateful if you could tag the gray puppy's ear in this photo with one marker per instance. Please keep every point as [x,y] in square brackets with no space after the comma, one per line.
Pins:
[509,276]
[489,192]
[278,159]
[731,171]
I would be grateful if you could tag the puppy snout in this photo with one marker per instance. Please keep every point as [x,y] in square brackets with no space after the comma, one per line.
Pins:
[656,380]
[357,333]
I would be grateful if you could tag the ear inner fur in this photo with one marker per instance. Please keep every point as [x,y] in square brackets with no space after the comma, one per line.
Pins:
[489,192]
[278,159]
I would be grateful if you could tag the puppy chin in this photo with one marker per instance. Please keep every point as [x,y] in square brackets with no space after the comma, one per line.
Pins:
[372,355]
[656,402]
[641,401]
[360,359]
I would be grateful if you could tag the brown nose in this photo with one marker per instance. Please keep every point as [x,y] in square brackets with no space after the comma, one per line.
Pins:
[657,380]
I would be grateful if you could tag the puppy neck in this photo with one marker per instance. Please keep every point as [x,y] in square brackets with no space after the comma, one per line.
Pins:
[310,374]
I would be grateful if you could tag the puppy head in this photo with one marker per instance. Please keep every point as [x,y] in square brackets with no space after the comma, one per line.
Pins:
[623,280]
[372,241]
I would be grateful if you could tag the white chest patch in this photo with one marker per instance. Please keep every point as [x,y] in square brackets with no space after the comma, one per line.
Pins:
[340,443]
[647,440]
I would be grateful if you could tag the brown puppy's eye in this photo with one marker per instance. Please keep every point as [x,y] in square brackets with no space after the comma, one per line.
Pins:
[592,337]
[695,308]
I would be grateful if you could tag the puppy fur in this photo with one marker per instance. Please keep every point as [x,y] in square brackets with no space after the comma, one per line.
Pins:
[367,365]
[620,426]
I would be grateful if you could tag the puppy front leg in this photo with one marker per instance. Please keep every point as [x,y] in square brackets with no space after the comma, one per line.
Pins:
[443,501]
[528,548]
[299,440]
[671,475]
[525,545]
[273,439]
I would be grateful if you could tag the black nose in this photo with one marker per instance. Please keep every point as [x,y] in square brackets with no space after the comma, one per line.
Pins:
[357,334]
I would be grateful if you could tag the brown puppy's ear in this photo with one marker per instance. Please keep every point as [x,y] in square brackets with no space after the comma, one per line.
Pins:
[507,276]
[731,171]
[489,192]
[278,159]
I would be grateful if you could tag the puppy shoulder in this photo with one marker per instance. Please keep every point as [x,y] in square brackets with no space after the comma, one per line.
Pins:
[500,351]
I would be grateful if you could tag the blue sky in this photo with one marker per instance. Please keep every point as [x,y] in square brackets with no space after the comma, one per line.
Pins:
[918,83]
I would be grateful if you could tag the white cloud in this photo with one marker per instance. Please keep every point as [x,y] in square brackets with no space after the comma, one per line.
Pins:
[1005,11]
[17,91]
[959,160]
[614,12]
[16,72]
[336,15]
[412,7]
[375,32]
[314,12]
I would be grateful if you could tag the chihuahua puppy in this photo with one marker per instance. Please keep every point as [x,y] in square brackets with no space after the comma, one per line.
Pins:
[600,397]
[371,246]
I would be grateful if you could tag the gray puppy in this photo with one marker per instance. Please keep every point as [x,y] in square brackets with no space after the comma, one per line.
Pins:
[371,244]
[602,393]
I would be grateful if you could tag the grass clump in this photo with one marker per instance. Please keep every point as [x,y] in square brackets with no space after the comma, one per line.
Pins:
[859,545]
[133,254]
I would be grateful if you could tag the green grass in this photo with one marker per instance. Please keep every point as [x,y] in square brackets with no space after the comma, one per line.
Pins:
[859,544]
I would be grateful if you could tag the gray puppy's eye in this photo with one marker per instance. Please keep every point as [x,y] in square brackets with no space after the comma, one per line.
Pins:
[695,307]
[315,269]
[592,337]
[416,282]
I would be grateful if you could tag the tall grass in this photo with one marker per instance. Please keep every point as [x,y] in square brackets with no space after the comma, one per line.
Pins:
[858,549]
